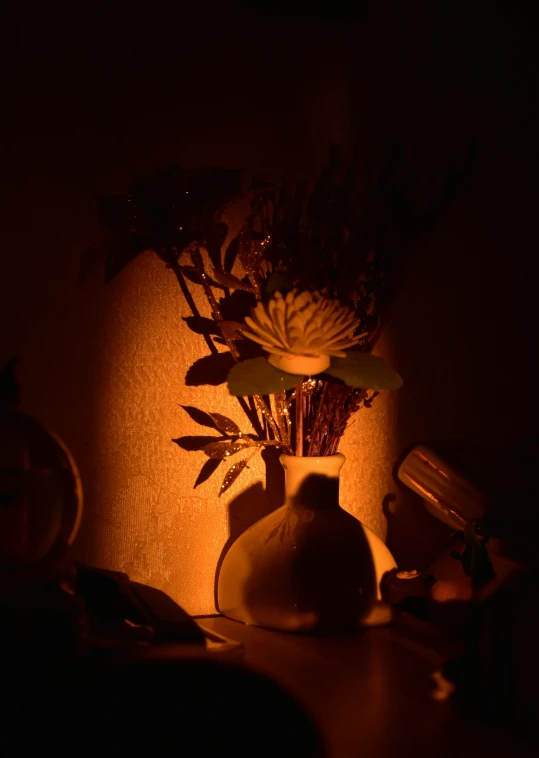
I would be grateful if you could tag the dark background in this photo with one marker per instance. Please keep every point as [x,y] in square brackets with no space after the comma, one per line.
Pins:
[94,93]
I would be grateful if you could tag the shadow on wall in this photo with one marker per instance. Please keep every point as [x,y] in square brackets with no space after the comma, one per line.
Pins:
[252,505]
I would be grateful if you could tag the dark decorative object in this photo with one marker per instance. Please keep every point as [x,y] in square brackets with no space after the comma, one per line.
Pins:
[40,491]
[470,593]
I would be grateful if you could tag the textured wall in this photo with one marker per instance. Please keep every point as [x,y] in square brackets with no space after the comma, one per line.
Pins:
[104,366]
[144,517]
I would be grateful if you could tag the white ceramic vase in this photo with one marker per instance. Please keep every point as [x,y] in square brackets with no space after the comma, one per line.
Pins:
[309,565]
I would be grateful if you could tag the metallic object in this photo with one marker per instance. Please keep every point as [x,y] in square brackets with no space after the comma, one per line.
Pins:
[40,498]
[448,495]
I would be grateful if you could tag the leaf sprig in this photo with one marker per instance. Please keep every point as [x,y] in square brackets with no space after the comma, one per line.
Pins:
[218,449]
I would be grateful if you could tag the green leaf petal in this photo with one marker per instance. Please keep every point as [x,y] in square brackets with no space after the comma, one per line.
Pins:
[369,372]
[258,377]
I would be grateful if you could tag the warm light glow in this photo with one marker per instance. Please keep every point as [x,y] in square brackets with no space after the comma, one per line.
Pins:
[369,447]
[151,523]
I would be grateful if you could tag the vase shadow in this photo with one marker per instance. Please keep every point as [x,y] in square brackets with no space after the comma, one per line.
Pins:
[307,566]
[317,573]
[251,505]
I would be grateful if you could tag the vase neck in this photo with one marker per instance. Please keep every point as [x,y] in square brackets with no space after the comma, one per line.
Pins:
[312,482]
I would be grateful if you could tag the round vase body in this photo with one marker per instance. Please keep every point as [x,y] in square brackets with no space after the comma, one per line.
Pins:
[309,565]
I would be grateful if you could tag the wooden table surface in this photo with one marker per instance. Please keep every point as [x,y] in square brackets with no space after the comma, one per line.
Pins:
[370,694]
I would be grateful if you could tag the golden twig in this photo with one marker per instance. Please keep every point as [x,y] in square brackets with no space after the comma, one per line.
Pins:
[299,419]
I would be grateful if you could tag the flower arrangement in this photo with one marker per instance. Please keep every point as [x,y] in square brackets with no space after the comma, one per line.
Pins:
[296,297]
[305,335]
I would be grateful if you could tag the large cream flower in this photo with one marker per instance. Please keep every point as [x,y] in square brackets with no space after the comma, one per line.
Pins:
[302,331]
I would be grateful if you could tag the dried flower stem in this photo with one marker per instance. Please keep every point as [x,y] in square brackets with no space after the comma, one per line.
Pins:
[283,418]
[316,423]
[264,410]
[299,419]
